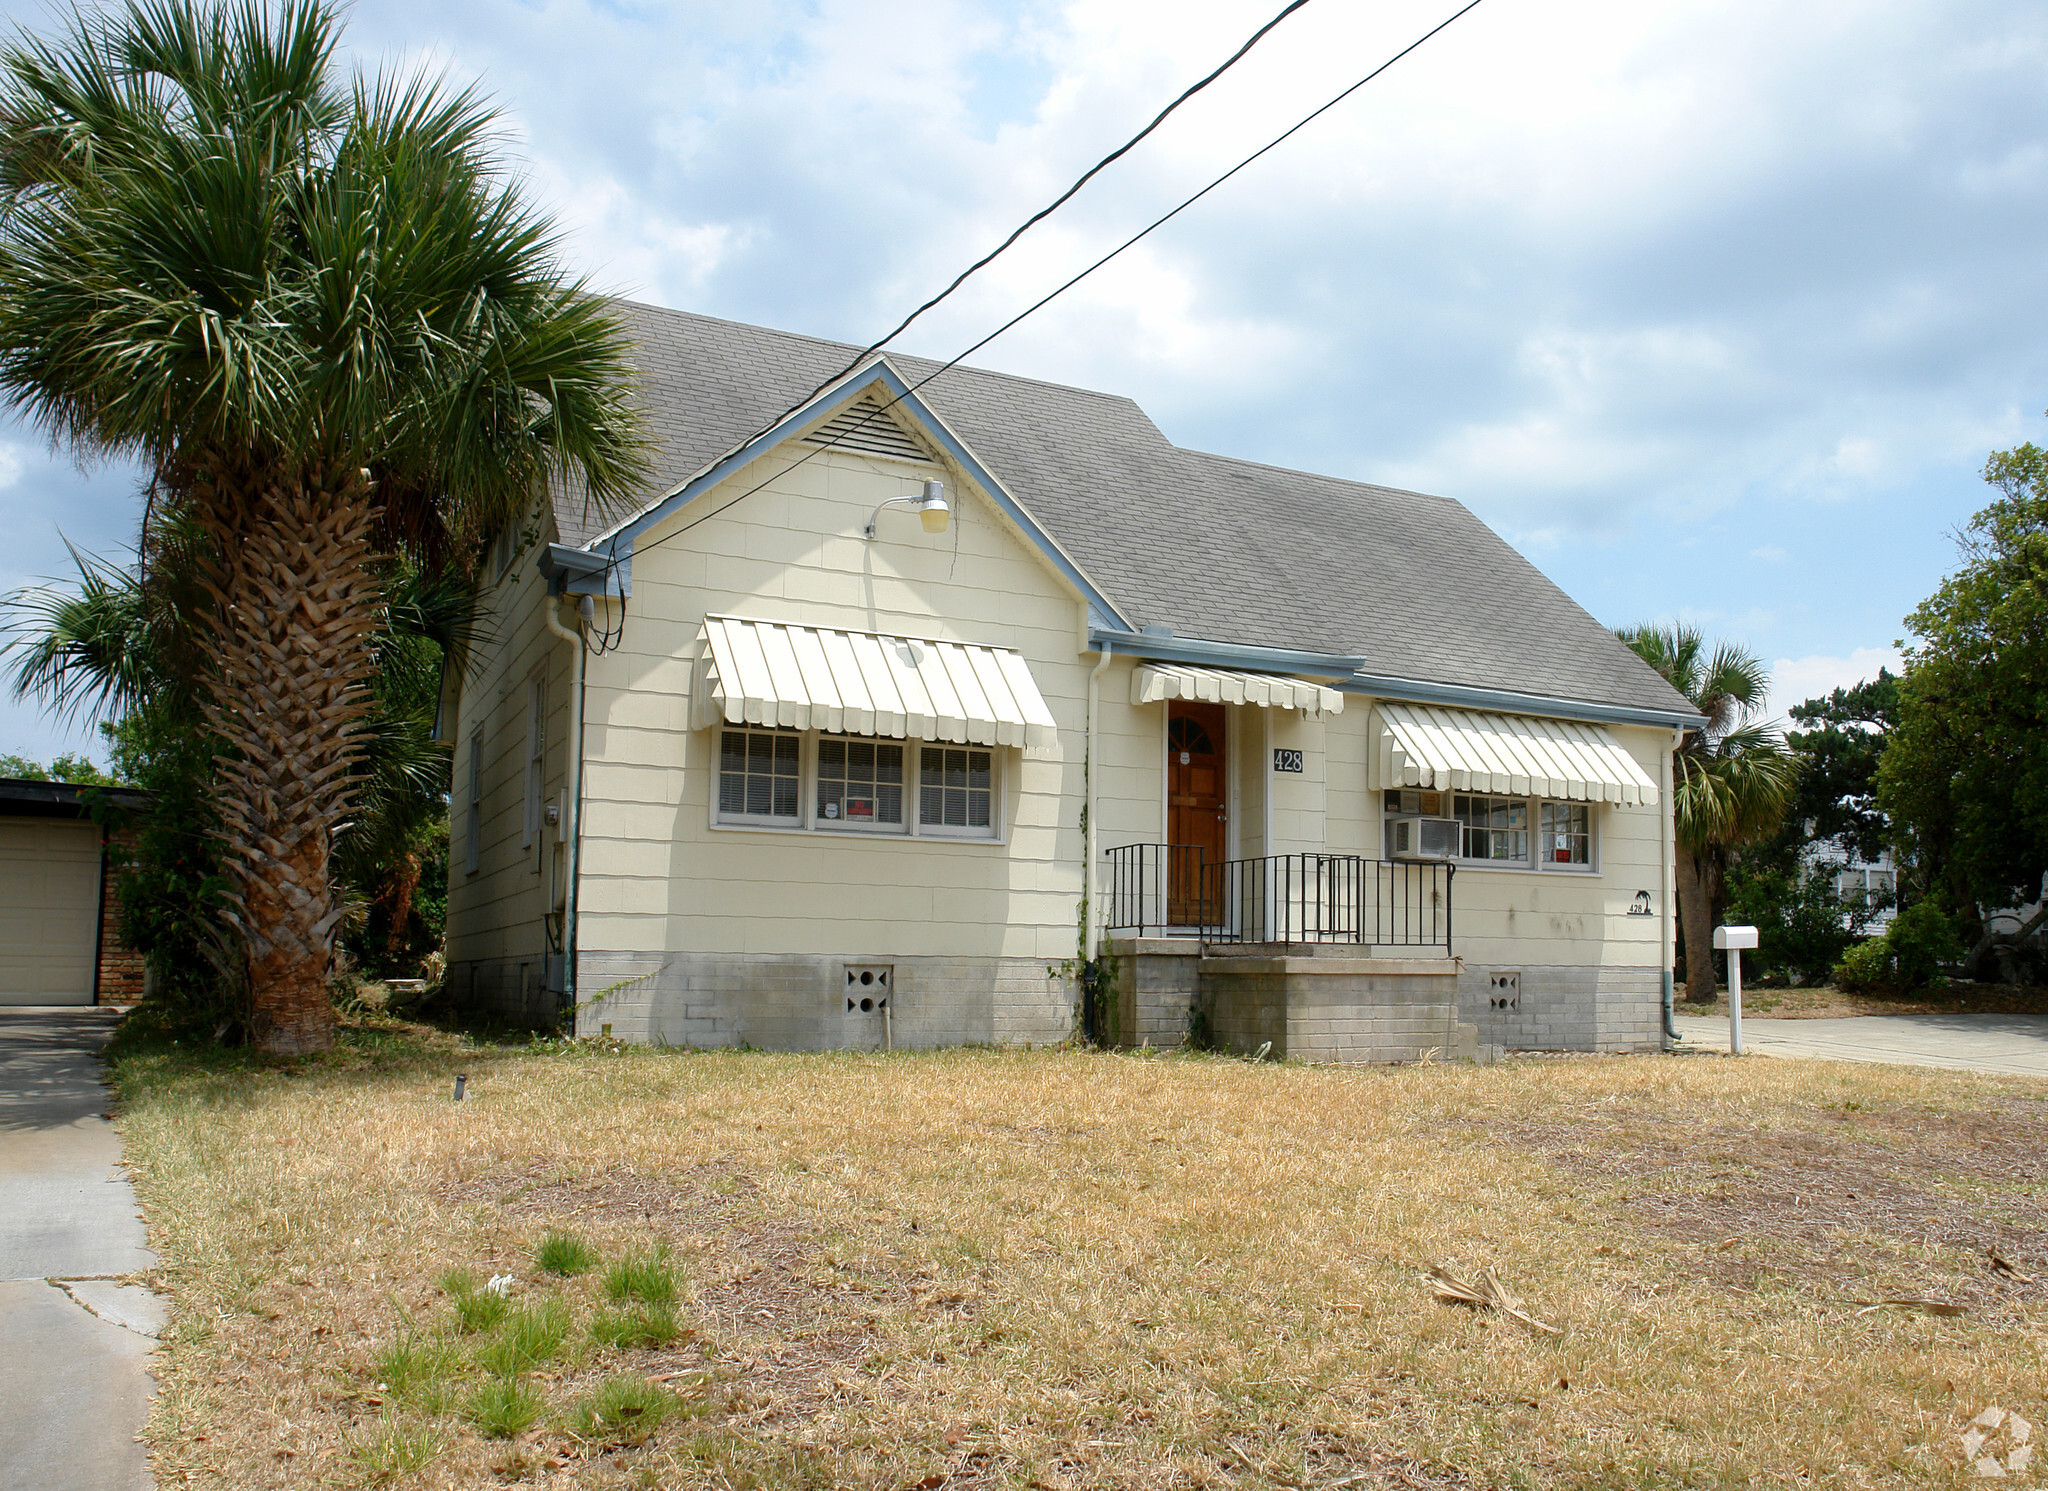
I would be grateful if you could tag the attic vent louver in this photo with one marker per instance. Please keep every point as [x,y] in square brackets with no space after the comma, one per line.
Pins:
[880,435]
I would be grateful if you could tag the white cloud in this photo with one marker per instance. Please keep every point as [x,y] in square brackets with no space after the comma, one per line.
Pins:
[1795,680]
[1768,554]
[11,465]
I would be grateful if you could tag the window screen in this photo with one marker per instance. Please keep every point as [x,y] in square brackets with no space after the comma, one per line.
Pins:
[956,790]
[860,784]
[758,775]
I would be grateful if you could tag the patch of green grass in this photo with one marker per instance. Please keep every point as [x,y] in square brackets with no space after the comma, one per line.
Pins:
[623,1410]
[477,1308]
[637,1324]
[501,1407]
[564,1254]
[417,1370]
[397,1447]
[530,1336]
[648,1277]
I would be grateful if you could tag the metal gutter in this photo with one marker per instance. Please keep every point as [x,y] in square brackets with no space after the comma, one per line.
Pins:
[1204,654]
[1414,691]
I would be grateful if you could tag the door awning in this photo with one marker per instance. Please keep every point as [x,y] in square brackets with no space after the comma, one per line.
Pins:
[1152,682]
[1473,750]
[867,683]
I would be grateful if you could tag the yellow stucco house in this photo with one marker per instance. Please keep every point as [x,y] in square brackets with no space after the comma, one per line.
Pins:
[882,717]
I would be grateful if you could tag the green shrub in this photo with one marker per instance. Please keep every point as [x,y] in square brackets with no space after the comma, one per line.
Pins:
[530,1336]
[1866,967]
[623,1410]
[1804,925]
[501,1407]
[564,1254]
[647,1277]
[1922,938]
[638,1324]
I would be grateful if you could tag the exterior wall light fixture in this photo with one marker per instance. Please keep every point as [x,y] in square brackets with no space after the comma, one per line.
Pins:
[931,509]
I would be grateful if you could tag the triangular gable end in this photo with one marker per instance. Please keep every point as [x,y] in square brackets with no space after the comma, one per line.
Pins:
[878,384]
[869,426]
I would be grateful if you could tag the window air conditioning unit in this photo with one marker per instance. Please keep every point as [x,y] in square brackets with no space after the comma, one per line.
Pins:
[1423,838]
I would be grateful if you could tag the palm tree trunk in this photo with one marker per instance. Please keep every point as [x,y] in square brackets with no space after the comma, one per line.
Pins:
[1696,911]
[295,597]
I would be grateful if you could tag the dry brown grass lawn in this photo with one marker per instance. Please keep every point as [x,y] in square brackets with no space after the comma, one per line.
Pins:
[1827,1002]
[1065,1269]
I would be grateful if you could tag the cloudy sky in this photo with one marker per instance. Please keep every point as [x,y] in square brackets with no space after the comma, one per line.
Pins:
[1712,309]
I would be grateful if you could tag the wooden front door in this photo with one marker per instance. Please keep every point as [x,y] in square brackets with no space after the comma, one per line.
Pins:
[1195,813]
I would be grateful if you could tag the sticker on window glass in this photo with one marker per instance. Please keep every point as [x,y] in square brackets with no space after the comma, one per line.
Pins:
[861,807]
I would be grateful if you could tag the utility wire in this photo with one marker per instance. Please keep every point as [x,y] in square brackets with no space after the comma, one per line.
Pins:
[1047,299]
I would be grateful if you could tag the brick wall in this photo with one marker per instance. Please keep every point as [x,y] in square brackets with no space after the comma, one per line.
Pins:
[123,979]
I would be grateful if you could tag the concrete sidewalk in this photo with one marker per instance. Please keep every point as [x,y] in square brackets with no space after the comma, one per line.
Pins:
[74,1342]
[2013,1045]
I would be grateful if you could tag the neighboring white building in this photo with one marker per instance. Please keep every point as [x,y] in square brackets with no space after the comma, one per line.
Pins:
[1211,716]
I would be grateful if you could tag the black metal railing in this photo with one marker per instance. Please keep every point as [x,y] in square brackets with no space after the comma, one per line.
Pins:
[1345,898]
[1156,888]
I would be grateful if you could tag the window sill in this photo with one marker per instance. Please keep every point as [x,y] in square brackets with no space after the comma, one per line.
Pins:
[864,835]
[1494,867]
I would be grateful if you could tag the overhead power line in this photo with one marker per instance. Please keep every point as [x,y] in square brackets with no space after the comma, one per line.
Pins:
[1145,232]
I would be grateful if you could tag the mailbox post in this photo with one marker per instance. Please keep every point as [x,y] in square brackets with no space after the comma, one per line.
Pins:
[1732,940]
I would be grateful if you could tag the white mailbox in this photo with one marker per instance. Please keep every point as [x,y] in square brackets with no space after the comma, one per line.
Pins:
[1732,940]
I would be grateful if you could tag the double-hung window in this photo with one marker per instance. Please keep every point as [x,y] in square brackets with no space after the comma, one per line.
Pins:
[1514,833]
[1566,834]
[956,791]
[760,778]
[1494,828]
[861,784]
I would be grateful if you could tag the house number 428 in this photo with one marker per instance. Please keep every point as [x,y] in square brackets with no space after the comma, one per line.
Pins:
[1287,761]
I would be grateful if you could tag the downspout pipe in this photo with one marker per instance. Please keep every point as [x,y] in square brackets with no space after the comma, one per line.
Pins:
[585,609]
[1667,945]
[1091,940]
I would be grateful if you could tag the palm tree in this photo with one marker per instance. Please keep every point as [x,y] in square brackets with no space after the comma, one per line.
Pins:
[123,644]
[333,330]
[1732,779]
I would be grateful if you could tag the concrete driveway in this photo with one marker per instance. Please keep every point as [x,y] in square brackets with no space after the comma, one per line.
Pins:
[2015,1045]
[74,1342]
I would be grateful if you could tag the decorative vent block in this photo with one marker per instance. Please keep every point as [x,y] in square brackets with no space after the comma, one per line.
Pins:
[1504,990]
[867,987]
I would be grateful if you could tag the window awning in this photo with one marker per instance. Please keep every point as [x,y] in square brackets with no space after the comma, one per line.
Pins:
[1152,682]
[1472,750]
[866,683]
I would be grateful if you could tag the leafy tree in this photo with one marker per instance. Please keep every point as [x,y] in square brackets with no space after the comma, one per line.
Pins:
[1964,774]
[1839,750]
[78,770]
[319,312]
[1732,779]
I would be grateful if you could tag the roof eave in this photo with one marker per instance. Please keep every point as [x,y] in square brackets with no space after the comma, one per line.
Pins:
[1204,653]
[1506,701]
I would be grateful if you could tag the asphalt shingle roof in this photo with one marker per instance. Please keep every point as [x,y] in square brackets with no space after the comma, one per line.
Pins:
[1215,548]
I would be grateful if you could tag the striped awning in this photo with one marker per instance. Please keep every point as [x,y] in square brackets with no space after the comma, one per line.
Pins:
[867,683]
[1474,750]
[1152,682]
